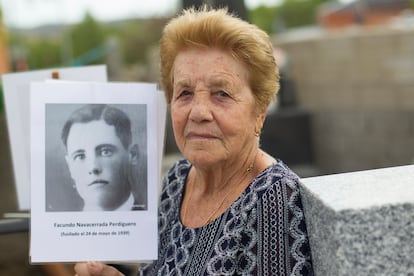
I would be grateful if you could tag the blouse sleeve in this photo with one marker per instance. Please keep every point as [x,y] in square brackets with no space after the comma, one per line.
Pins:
[282,246]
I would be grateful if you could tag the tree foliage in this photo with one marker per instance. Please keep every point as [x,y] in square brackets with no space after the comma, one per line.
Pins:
[289,14]
[87,36]
[264,17]
[296,13]
[137,37]
[43,53]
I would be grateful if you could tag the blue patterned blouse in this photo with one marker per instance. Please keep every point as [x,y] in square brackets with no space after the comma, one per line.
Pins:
[262,233]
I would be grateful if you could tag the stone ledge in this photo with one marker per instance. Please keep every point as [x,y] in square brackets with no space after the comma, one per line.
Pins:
[361,223]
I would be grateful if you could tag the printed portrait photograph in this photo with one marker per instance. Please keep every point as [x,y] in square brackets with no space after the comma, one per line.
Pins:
[96,157]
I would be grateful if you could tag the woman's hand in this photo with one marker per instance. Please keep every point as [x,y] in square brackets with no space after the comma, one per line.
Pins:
[95,269]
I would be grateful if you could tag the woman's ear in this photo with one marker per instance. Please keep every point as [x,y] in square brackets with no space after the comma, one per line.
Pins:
[260,118]
[134,154]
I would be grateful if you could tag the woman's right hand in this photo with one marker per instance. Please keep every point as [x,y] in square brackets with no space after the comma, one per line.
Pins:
[95,269]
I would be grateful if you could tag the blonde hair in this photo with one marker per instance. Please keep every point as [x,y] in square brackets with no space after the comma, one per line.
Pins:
[217,28]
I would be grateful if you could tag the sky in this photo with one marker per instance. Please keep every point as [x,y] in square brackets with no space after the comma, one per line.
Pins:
[32,13]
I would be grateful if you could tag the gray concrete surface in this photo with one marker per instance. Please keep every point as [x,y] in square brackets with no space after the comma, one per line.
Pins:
[360,223]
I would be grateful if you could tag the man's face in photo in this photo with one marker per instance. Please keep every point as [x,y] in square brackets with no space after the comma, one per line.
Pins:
[98,164]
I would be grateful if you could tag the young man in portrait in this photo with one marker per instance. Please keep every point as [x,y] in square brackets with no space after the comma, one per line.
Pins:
[100,157]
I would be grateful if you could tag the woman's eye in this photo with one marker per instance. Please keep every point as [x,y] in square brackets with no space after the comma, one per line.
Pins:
[184,93]
[223,94]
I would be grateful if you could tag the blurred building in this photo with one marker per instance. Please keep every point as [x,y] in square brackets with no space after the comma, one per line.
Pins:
[358,86]
[333,15]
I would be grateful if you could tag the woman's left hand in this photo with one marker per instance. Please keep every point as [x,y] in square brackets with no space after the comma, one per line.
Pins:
[95,269]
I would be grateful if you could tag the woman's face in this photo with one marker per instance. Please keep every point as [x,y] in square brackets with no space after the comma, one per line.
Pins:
[212,107]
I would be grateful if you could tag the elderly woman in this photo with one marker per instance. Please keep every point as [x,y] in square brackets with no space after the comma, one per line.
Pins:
[229,208]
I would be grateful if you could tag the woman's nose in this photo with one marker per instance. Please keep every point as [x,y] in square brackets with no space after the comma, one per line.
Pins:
[201,109]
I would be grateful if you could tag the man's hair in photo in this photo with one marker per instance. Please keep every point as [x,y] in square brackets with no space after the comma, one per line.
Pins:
[95,112]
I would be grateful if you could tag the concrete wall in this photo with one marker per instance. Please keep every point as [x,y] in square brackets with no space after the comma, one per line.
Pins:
[359,87]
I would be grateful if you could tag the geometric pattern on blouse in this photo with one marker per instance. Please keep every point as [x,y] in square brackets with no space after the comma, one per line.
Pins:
[262,233]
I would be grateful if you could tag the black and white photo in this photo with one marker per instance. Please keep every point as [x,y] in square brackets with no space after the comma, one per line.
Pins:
[102,164]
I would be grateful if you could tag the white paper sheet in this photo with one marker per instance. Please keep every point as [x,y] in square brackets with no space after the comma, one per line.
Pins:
[16,88]
[60,234]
